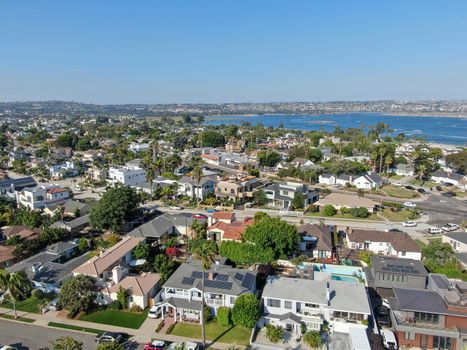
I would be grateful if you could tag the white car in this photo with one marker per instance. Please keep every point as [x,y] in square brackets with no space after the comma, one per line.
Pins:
[434,230]
[398,184]
[184,345]
[155,311]
[174,207]
[389,339]
[409,205]
[409,224]
[450,227]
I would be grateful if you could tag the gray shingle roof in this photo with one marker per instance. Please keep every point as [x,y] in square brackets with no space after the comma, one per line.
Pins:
[457,236]
[162,224]
[420,300]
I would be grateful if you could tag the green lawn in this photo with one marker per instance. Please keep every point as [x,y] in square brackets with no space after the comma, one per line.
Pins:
[344,216]
[75,328]
[117,318]
[420,244]
[21,319]
[429,184]
[399,192]
[26,305]
[229,335]
[396,216]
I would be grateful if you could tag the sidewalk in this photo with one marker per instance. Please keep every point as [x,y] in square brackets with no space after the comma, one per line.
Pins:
[142,335]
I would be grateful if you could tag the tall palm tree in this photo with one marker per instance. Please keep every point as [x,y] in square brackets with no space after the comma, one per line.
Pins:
[197,175]
[150,177]
[204,251]
[15,285]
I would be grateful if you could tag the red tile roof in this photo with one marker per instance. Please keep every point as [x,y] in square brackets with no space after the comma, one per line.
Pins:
[223,215]
[233,231]
[56,190]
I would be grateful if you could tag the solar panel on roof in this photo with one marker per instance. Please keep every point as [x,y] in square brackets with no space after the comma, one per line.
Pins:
[239,276]
[196,274]
[218,284]
[188,280]
[222,277]
[248,281]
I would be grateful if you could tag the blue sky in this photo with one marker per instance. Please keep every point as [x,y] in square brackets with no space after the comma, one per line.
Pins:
[232,50]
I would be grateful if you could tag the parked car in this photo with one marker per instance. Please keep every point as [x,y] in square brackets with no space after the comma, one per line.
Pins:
[212,211]
[434,230]
[409,187]
[398,184]
[109,337]
[450,227]
[449,194]
[175,207]
[155,311]
[409,224]
[422,190]
[184,345]
[382,317]
[389,339]
[7,347]
[199,216]
[409,205]
[439,188]
[155,345]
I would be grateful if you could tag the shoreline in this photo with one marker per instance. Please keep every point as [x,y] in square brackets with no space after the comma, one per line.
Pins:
[386,114]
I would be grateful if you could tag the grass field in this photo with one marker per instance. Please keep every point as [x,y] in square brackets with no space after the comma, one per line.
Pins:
[396,216]
[26,305]
[345,216]
[225,334]
[116,318]
[399,192]
[21,319]
[420,244]
[75,328]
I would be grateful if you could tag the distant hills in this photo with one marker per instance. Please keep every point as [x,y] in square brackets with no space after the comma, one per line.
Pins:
[67,109]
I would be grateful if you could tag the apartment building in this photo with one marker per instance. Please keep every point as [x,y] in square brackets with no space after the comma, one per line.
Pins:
[128,175]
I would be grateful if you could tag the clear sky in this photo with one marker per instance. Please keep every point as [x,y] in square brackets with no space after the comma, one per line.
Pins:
[110,51]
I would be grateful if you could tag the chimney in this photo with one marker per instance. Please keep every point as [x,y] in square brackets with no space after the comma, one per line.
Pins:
[328,294]
[117,274]
[210,275]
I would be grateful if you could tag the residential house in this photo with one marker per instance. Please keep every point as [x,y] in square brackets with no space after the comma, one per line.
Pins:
[300,162]
[7,258]
[344,180]
[291,302]
[40,197]
[191,188]
[61,171]
[327,179]
[138,147]
[126,175]
[225,227]
[74,226]
[394,272]
[9,186]
[458,242]
[210,158]
[96,174]
[448,178]
[434,318]
[403,170]
[349,201]
[316,241]
[281,195]
[398,244]
[368,181]
[237,188]
[181,296]
[24,232]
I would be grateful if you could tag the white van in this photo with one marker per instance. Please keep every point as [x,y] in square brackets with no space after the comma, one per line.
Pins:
[389,339]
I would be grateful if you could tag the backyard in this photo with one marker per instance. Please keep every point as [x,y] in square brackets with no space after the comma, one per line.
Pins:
[214,332]
[116,318]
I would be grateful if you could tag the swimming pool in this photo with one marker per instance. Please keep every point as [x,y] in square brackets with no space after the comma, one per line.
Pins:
[347,273]
[345,278]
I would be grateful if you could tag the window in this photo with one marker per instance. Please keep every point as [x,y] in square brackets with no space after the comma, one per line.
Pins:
[274,303]
[403,253]
[443,343]
[288,304]
[232,300]
[410,335]
[311,305]
[424,317]
[314,326]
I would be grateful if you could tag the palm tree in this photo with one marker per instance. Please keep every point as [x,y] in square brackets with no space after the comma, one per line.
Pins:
[422,171]
[204,251]
[197,175]
[14,284]
[150,177]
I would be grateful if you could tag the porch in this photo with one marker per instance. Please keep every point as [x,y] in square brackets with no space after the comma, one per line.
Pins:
[181,310]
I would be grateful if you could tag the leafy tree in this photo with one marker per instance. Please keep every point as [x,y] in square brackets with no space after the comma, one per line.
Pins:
[365,256]
[117,207]
[312,339]
[458,161]
[65,140]
[122,296]
[197,175]
[199,228]
[274,333]
[164,266]
[77,294]
[110,346]
[298,201]
[245,253]
[141,251]
[269,158]
[359,212]
[212,139]
[15,285]
[246,310]
[67,343]
[274,234]
[260,197]
[437,255]
[224,316]
[329,210]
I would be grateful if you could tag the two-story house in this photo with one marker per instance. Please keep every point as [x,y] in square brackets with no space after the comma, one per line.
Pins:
[238,188]
[281,195]
[398,244]
[224,226]
[392,272]
[316,241]
[40,197]
[181,295]
[291,302]
[9,186]
[61,171]
[190,187]
[126,175]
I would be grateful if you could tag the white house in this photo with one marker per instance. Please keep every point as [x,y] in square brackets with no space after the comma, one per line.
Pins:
[398,244]
[67,169]
[327,179]
[444,177]
[457,240]
[138,147]
[403,170]
[368,181]
[291,302]
[189,187]
[126,175]
[344,179]
[40,197]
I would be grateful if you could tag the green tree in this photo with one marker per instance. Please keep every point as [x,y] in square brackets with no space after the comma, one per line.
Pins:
[204,251]
[298,201]
[197,175]
[329,210]
[164,266]
[246,310]
[67,343]
[110,346]
[312,339]
[365,256]
[274,234]
[122,297]
[224,316]
[269,158]
[259,215]
[15,285]
[359,212]
[141,251]
[245,253]
[274,333]
[260,198]
[117,207]
[77,294]
[212,139]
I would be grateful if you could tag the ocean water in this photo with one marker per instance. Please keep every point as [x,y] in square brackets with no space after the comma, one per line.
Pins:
[446,130]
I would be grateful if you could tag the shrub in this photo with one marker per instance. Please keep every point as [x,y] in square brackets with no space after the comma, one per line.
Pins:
[312,339]
[360,212]
[207,314]
[223,316]
[329,210]
[135,308]
[38,294]
[170,329]
[313,209]
[394,205]
[345,210]
[274,333]
[115,305]
[246,311]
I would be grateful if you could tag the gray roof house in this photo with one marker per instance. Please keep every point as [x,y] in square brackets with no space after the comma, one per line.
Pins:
[281,195]
[368,181]
[9,186]
[181,294]
[290,302]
